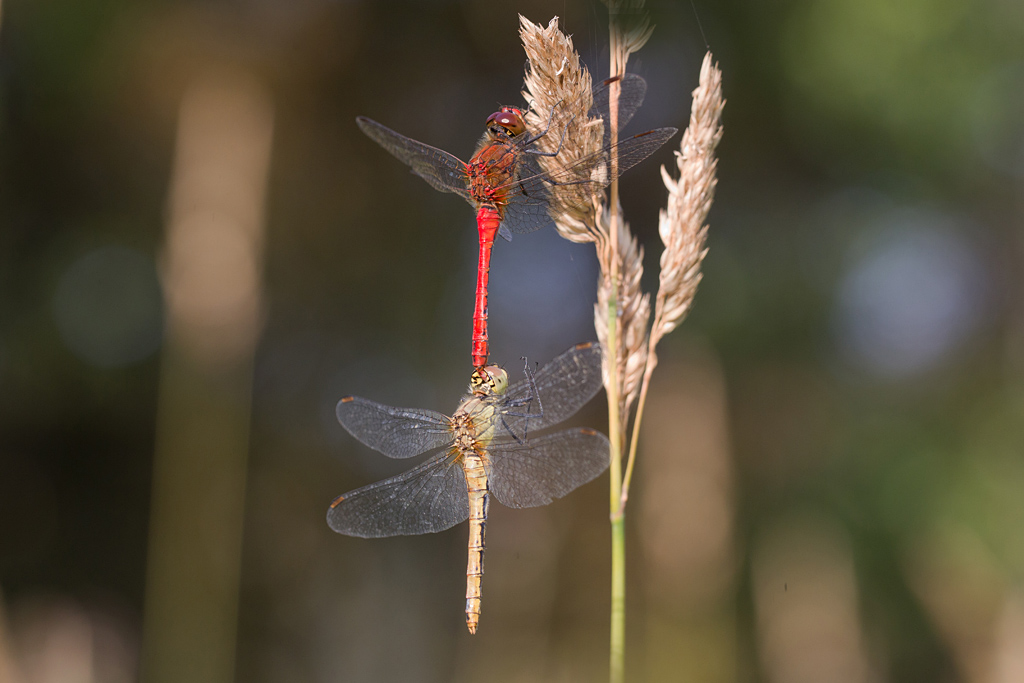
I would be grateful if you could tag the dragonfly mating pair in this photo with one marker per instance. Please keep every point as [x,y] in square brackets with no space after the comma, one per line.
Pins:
[485,448]
[504,180]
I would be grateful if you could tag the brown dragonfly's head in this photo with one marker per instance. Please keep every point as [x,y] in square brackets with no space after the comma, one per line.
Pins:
[507,123]
[490,380]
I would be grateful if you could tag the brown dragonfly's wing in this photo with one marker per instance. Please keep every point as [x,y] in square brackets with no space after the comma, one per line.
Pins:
[575,183]
[429,498]
[547,467]
[558,390]
[444,171]
[395,432]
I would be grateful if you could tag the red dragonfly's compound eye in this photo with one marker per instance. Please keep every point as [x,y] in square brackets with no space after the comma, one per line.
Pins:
[508,121]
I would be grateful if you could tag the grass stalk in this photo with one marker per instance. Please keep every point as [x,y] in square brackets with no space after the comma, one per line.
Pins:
[618,588]
[652,362]
[617,618]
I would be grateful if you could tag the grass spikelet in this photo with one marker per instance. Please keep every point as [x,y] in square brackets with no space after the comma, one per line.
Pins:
[681,224]
[635,312]
[558,88]
[632,29]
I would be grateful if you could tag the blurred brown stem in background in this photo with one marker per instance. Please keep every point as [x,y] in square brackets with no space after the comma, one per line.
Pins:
[211,273]
[9,672]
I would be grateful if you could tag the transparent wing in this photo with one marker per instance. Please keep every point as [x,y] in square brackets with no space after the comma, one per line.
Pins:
[573,184]
[547,467]
[444,171]
[395,432]
[562,387]
[528,208]
[424,500]
[632,89]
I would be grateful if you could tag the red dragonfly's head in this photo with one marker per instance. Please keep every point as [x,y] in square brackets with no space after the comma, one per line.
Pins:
[507,123]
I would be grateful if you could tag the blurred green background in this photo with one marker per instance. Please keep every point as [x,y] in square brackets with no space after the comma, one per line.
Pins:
[831,482]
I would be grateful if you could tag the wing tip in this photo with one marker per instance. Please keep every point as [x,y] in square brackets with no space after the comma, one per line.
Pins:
[593,434]
[339,410]
[590,347]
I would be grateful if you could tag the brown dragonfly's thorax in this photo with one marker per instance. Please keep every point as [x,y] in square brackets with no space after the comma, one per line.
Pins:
[492,170]
[474,423]
[477,417]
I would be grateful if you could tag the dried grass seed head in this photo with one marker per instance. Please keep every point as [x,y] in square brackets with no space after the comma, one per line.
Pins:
[681,224]
[634,312]
[559,90]
[631,29]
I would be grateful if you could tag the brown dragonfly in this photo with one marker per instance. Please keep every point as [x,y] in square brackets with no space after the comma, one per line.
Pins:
[487,447]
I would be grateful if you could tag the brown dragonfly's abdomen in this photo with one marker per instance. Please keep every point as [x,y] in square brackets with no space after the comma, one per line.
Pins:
[476,483]
[491,173]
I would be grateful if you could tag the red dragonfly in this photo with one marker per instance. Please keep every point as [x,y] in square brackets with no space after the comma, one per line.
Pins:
[506,184]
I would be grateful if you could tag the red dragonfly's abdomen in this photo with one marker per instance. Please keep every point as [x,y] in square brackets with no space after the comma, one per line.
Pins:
[488,220]
[491,172]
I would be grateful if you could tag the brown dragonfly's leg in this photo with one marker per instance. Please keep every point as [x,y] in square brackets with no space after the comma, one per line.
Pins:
[476,483]
[525,401]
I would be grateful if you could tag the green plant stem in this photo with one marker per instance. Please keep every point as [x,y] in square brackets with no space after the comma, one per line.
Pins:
[617,649]
[617,652]
[618,632]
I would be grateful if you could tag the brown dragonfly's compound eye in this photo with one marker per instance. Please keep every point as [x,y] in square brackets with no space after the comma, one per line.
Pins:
[497,379]
[508,122]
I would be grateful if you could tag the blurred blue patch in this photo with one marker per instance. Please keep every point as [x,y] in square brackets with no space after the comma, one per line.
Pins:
[913,295]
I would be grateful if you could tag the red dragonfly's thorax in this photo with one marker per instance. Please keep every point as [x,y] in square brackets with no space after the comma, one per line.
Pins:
[491,172]
[492,169]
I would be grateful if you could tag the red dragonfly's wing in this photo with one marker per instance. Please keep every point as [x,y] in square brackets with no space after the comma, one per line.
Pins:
[535,191]
[444,171]
[395,432]
[536,472]
[429,498]
[557,391]
[632,89]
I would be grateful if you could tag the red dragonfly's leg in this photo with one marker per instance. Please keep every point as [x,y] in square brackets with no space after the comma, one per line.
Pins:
[487,222]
